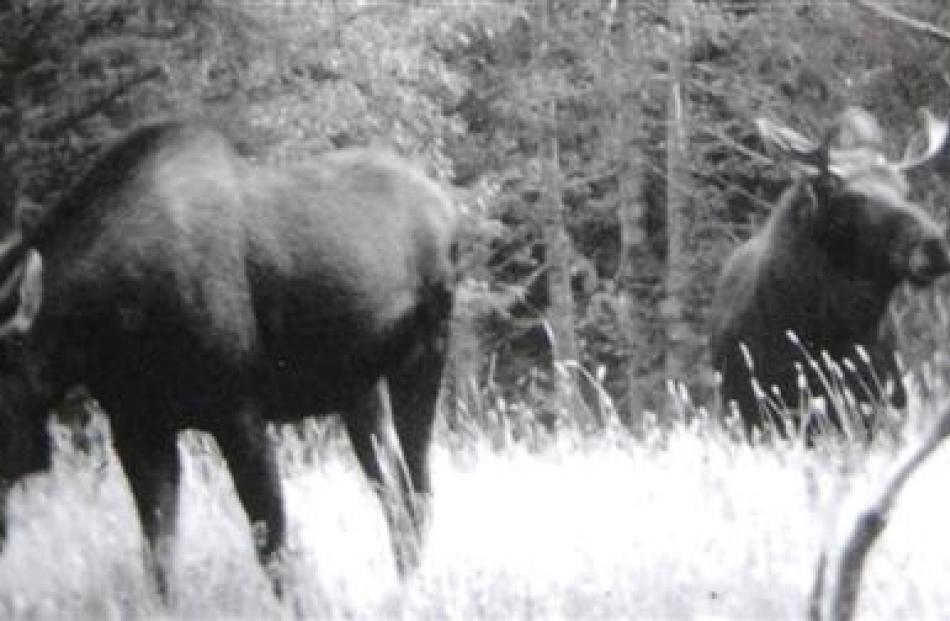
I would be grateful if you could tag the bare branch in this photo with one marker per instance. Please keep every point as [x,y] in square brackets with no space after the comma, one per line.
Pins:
[907,22]
[734,144]
[838,575]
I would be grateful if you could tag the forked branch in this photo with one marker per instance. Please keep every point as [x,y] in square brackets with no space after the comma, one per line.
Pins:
[838,575]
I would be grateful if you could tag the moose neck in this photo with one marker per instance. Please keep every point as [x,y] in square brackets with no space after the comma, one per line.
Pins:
[810,285]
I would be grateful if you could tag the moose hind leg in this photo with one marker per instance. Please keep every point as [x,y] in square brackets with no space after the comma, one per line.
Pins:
[250,456]
[415,395]
[370,428]
[149,458]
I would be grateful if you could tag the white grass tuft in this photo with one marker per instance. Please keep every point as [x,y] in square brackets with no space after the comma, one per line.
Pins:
[699,529]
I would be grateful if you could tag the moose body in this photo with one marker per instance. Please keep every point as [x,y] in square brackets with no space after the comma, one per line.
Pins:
[814,285]
[187,287]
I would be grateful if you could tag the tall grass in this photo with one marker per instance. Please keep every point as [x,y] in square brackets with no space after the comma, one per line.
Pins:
[698,526]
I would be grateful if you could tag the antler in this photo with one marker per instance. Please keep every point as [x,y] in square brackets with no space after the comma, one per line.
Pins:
[936,131]
[819,158]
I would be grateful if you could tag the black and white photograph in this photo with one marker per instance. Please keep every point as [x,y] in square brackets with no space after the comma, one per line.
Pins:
[475,310]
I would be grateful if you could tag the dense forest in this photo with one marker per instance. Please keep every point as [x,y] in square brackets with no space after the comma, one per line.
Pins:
[604,152]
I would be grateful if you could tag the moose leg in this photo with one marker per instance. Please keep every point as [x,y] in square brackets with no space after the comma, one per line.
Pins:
[4,494]
[415,394]
[251,459]
[370,427]
[149,457]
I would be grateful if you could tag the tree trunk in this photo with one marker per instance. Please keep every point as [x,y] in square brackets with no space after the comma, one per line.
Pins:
[560,312]
[559,315]
[627,78]
[677,201]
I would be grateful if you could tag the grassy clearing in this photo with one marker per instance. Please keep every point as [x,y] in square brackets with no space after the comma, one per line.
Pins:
[701,528]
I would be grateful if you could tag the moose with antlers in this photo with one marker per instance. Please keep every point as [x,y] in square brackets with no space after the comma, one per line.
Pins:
[800,310]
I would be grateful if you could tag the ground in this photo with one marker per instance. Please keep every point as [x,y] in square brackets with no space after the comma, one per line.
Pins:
[605,528]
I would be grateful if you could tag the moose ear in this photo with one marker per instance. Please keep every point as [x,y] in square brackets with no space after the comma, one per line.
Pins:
[30,295]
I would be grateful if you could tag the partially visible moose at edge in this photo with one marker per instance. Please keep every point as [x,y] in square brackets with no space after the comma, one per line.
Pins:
[815,282]
[186,287]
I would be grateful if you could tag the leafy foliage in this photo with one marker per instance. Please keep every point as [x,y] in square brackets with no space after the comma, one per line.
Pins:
[75,75]
[466,88]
